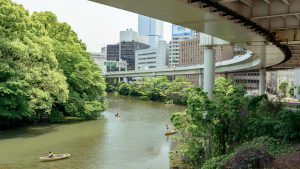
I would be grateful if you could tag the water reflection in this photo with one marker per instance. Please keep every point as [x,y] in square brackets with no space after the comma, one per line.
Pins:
[133,140]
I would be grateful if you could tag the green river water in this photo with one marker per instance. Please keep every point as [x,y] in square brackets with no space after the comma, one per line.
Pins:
[133,141]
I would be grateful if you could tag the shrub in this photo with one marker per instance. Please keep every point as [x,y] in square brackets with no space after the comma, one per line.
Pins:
[56,116]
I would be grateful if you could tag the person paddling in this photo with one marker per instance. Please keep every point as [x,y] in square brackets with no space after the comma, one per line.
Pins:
[50,154]
[117,115]
[167,127]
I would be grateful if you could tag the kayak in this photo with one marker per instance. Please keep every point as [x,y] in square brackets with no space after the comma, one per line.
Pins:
[55,157]
[170,132]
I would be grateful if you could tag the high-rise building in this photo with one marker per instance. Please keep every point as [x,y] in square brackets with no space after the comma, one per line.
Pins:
[150,29]
[152,58]
[128,35]
[191,53]
[179,34]
[112,52]
[125,49]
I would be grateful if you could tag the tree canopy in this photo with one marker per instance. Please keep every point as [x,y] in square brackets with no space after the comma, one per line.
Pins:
[212,129]
[44,68]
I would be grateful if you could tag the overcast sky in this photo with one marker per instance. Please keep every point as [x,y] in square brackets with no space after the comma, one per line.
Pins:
[97,25]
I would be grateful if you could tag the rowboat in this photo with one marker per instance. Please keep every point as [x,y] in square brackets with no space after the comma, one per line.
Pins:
[170,132]
[55,157]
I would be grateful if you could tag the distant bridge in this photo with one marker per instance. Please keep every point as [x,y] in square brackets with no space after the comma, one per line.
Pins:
[238,62]
[268,28]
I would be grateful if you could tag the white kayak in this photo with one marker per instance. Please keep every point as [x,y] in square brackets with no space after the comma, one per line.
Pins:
[55,157]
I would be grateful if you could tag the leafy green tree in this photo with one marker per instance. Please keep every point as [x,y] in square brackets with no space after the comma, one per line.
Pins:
[178,90]
[86,84]
[211,130]
[123,88]
[291,90]
[30,81]
[155,88]
[213,126]
[283,87]
[194,124]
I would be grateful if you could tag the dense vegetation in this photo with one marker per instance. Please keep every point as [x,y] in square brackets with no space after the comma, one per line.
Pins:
[156,89]
[233,129]
[45,69]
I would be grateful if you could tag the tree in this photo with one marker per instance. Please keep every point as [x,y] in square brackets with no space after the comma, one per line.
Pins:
[178,90]
[291,90]
[213,125]
[30,81]
[86,84]
[283,87]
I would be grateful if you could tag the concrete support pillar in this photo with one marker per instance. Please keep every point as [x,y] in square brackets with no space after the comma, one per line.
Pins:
[125,79]
[262,81]
[209,71]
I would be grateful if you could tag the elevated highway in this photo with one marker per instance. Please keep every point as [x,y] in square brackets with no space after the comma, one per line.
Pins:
[239,62]
[268,28]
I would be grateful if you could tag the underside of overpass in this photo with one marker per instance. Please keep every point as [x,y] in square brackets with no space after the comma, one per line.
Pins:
[280,17]
[269,28]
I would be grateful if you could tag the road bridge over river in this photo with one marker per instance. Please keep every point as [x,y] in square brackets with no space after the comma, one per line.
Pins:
[268,28]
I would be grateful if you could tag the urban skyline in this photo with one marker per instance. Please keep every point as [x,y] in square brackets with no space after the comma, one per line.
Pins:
[88,19]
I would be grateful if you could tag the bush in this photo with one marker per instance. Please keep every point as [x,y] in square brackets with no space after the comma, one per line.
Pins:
[289,128]
[250,158]
[257,153]
[216,162]
[273,146]
[123,89]
[56,117]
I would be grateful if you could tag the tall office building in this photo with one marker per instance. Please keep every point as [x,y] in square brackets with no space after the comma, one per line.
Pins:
[125,49]
[150,29]
[191,53]
[179,34]
[152,58]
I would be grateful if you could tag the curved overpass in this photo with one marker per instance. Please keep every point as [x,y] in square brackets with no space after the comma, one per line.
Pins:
[215,19]
[233,21]
[239,62]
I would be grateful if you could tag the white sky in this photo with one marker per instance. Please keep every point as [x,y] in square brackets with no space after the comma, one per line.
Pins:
[97,25]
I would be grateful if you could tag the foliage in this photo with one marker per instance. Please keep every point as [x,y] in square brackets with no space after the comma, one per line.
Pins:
[283,87]
[271,145]
[291,90]
[216,162]
[56,117]
[214,128]
[45,69]
[111,85]
[30,79]
[86,84]
[178,89]
[157,89]
[123,89]
[289,127]
[255,152]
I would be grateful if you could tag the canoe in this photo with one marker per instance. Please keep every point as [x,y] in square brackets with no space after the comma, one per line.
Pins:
[170,132]
[55,157]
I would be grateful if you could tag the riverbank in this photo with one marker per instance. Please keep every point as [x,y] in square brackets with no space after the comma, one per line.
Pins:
[10,125]
[134,140]
[155,89]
